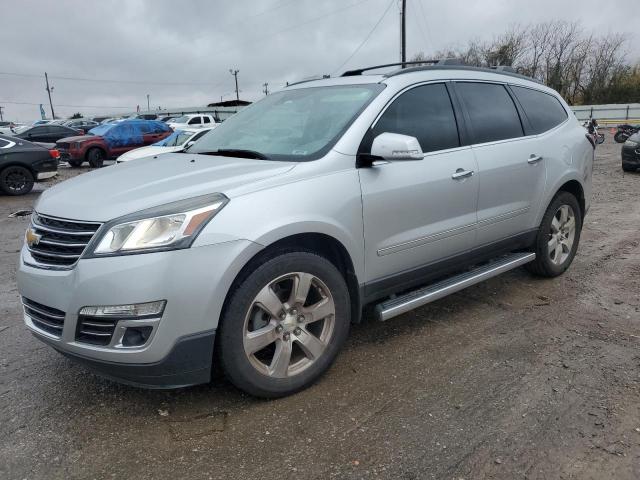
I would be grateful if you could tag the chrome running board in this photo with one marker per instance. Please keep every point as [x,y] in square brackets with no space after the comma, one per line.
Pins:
[402,304]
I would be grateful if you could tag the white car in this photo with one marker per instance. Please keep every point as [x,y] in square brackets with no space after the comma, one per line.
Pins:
[193,120]
[173,143]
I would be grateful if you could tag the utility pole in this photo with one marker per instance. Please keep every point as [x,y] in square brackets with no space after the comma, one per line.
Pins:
[148,107]
[403,33]
[266,88]
[1,118]
[235,74]
[49,90]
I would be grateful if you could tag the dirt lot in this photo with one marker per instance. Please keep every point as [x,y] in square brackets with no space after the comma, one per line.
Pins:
[515,378]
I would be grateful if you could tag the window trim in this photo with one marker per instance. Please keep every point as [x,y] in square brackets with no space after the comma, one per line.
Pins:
[456,114]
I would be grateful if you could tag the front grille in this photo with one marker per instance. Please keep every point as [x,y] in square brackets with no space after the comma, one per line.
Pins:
[95,330]
[44,318]
[61,241]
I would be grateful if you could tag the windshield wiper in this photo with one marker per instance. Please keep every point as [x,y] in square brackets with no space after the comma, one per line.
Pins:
[236,152]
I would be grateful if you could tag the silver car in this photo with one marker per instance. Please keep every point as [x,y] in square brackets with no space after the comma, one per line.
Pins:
[257,247]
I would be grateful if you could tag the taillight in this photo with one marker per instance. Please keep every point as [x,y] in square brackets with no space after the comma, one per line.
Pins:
[54,153]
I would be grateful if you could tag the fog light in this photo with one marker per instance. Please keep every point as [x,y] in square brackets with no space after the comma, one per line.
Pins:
[133,310]
[136,336]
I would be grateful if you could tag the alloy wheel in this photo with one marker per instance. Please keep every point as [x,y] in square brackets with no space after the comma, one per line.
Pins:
[289,325]
[562,234]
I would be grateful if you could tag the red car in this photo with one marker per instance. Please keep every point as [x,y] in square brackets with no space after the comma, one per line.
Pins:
[110,141]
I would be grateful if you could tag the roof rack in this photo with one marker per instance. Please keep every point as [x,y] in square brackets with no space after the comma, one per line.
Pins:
[310,79]
[502,69]
[443,61]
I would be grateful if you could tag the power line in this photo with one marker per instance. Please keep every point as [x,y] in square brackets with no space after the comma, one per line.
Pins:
[426,24]
[365,38]
[101,80]
[65,105]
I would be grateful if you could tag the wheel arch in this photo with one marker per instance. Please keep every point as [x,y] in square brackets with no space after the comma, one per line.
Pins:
[321,244]
[568,184]
[92,147]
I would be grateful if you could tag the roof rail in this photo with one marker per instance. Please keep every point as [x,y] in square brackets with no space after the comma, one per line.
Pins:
[503,70]
[442,61]
[310,79]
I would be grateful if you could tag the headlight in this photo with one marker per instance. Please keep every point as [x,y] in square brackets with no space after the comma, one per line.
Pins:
[631,143]
[168,227]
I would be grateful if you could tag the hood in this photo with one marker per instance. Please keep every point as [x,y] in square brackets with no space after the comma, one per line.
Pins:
[149,151]
[124,188]
[79,138]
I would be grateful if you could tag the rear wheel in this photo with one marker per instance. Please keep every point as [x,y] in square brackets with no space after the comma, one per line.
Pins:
[16,180]
[95,156]
[284,325]
[558,236]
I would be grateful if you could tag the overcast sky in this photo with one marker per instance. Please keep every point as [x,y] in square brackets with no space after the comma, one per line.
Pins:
[180,53]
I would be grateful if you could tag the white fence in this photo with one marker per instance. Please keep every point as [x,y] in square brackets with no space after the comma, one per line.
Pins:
[612,113]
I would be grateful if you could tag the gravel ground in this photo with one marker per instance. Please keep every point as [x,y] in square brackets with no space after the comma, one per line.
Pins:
[517,377]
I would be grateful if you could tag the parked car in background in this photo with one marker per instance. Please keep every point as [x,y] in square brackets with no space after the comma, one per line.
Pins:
[175,142]
[192,121]
[81,124]
[100,119]
[9,129]
[109,120]
[110,141]
[23,163]
[167,119]
[631,153]
[49,133]
[146,116]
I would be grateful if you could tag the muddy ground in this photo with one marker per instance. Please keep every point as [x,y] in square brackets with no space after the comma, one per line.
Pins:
[517,377]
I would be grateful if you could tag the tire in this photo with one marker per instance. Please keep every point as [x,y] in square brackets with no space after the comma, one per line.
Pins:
[628,168]
[75,163]
[293,349]
[548,262]
[95,157]
[620,137]
[16,180]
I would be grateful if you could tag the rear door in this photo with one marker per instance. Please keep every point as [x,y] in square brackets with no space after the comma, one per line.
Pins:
[417,212]
[511,174]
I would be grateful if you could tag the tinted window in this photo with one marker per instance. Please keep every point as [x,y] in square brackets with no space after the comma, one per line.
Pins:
[491,110]
[544,111]
[206,119]
[423,112]
[195,121]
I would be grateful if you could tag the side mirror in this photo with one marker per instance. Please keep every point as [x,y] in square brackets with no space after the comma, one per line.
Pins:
[394,146]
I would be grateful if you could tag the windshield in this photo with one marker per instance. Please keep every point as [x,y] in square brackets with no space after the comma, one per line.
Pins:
[177,138]
[100,129]
[292,125]
[183,119]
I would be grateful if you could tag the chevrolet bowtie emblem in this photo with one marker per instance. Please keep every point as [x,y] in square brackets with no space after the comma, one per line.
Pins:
[32,238]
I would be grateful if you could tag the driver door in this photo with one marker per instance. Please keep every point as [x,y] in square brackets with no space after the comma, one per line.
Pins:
[418,212]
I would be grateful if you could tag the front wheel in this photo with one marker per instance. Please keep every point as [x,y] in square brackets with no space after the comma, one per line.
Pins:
[95,156]
[620,137]
[284,325]
[558,236]
[16,180]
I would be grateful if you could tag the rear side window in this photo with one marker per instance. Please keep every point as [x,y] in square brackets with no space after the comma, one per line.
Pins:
[195,121]
[423,112]
[491,110]
[544,111]
[206,119]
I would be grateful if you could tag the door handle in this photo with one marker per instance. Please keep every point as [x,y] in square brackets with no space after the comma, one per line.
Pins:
[461,173]
[533,158]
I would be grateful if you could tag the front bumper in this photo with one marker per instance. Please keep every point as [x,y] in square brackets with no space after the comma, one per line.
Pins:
[631,155]
[194,282]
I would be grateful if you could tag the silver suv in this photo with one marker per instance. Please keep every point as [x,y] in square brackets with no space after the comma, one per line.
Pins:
[256,247]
